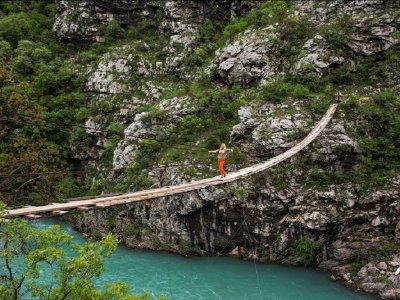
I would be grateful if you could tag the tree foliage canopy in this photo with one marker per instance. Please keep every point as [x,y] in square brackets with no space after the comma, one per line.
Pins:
[27,253]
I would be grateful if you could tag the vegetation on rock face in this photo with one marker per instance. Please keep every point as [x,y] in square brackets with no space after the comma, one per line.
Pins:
[266,13]
[186,248]
[378,135]
[44,105]
[378,254]
[305,249]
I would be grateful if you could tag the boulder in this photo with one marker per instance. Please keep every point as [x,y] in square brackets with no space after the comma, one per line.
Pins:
[248,59]
[112,74]
[318,54]
[382,266]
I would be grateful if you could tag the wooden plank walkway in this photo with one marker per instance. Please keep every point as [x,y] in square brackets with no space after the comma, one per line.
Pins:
[102,201]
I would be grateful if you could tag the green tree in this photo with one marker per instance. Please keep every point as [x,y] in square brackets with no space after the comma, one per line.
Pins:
[5,50]
[26,251]
[31,20]
[23,144]
[27,55]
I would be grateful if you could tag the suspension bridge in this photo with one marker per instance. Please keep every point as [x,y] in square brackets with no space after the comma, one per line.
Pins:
[56,209]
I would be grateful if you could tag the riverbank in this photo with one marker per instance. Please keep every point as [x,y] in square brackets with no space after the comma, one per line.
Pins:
[208,278]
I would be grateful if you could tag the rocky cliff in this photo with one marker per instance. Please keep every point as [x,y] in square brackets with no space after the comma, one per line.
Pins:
[269,81]
[83,20]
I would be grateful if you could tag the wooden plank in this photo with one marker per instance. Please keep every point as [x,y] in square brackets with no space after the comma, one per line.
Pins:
[48,208]
[32,216]
[83,208]
[92,197]
[104,204]
[58,212]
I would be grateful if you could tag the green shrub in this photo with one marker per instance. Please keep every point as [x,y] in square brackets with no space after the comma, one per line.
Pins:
[189,124]
[115,129]
[134,229]
[386,251]
[266,13]
[393,55]
[27,55]
[113,31]
[280,90]
[339,33]
[239,192]
[319,176]
[5,50]
[196,58]
[209,37]
[229,109]
[295,28]
[212,142]
[312,81]
[79,140]
[106,106]
[238,157]
[111,222]
[280,173]
[132,179]
[185,247]
[305,249]
[361,258]
[154,115]
[382,253]
[156,243]
[378,134]
[147,29]
[108,152]
[147,152]
[293,32]
[22,25]
[236,26]
[69,187]
[139,181]
[344,74]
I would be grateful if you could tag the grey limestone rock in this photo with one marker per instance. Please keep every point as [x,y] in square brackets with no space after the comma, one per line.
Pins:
[114,71]
[318,54]
[142,127]
[254,56]
[375,22]
[267,130]
[248,59]
[382,266]
[373,287]
[81,21]
[397,230]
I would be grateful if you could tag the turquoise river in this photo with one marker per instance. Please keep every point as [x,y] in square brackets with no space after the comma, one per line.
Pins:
[209,278]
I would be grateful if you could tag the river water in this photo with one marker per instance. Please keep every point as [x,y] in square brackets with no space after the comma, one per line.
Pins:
[209,278]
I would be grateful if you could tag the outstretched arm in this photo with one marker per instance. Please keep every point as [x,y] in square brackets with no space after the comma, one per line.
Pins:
[213,151]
